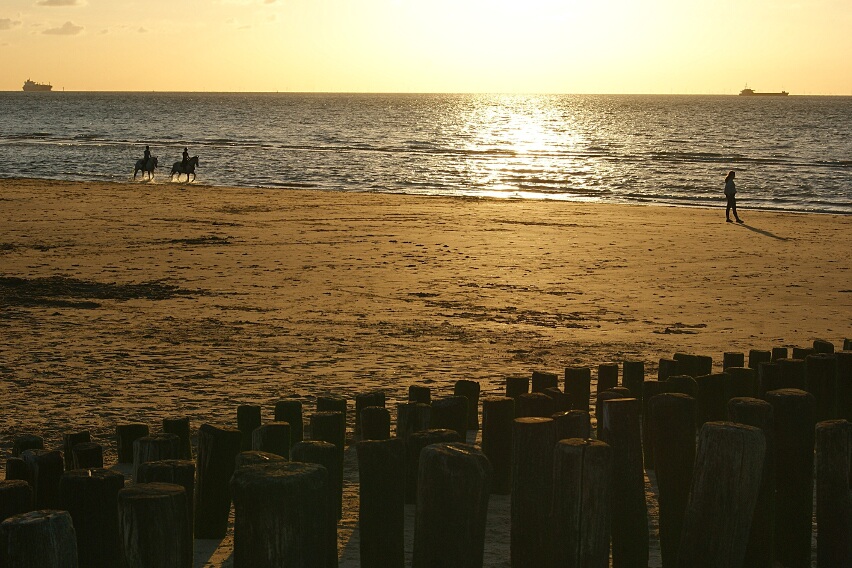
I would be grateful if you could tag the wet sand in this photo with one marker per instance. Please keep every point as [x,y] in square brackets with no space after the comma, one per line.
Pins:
[138,301]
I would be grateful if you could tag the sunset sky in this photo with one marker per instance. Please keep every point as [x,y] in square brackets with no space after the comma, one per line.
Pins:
[547,46]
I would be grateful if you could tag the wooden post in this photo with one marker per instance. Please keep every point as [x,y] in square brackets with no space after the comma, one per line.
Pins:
[497,416]
[712,397]
[768,378]
[281,517]
[582,492]
[39,539]
[793,374]
[155,448]
[633,377]
[248,420]
[542,380]
[758,356]
[179,472]
[802,352]
[366,400]
[694,365]
[847,344]
[154,529]
[420,394]
[273,437]
[534,404]
[254,457]
[779,353]
[69,440]
[334,404]
[823,346]
[724,490]
[217,450]
[607,376]
[601,398]
[794,461]
[16,497]
[683,384]
[125,435]
[375,423]
[844,384]
[326,427]
[469,390]
[516,386]
[413,446]
[451,413]
[578,385]
[760,551]
[17,470]
[650,389]
[561,401]
[24,442]
[411,417]
[87,455]
[742,382]
[91,497]
[180,428]
[44,470]
[451,477]
[290,411]
[620,428]
[833,493]
[328,456]
[668,368]
[573,424]
[533,441]
[673,434]
[733,359]
[821,372]
[381,511]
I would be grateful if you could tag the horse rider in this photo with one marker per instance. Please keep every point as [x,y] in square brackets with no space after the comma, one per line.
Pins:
[185,159]
[146,156]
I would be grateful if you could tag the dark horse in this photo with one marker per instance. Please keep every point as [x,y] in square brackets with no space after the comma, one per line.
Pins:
[143,167]
[179,168]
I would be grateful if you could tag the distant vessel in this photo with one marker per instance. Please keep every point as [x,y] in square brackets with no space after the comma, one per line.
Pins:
[752,93]
[33,86]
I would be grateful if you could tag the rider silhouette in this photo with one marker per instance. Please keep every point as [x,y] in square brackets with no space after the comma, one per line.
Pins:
[146,156]
[185,158]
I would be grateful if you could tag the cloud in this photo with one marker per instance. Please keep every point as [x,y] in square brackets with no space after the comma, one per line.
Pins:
[67,29]
[142,31]
[59,3]
[7,24]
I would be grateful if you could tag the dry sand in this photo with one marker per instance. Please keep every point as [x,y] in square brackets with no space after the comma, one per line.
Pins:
[134,302]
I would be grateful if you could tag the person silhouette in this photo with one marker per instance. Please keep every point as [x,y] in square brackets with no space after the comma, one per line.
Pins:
[146,155]
[730,194]
[185,158]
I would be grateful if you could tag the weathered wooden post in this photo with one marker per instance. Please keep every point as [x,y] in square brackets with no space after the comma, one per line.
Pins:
[582,493]
[694,365]
[69,440]
[273,437]
[673,433]
[44,470]
[498,413]
[573,424]
[542,380]
[17,470]
[758,356]
[412,417]
[470,391]
[633,377]
[217,450]
[649,389]
[724,490]
[578,385]
[155,447]
[180,428]
[768,378]
[375,423]
[248,420]
[451,477]
[517,386]
[255,457]
[601,398]
[802,352]
[179,472]
[281,517]
[668,368]
[333,403]
[821,372]
[561,401]
[823,346]
[451,413]
[742,382]
[760,551]
[607,376]
[779,353]
[381,511]
[712,397]
[87,455]
[833,493]
[38,539]
[16,497]
[153,526]
[847,344]
[683,384]
[793,375]
[534,404]
[420,394]
[794,462]
[91,497]
[413,446]
[533,440]
[125,435]
[24,442]
[620,428]
[326,427]
[367,400]
[733,359]
[328,456]
[290,411]
[844,384]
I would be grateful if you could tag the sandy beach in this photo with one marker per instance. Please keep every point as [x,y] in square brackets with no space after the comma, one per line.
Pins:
[138,301]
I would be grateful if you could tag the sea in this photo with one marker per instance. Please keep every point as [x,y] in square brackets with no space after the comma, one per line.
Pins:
[790,153]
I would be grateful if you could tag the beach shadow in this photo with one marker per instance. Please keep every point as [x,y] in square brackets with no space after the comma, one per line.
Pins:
[763,232]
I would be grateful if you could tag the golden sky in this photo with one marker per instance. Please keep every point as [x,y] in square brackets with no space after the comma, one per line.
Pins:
[529,46]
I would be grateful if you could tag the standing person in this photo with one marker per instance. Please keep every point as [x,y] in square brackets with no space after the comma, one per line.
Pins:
[185,159]
[730,193]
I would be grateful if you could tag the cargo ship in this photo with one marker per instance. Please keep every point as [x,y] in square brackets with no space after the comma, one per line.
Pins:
[752,93]
[33,86]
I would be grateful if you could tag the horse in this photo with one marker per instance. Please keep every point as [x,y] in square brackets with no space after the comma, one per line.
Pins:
[179,169]
[148,168]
